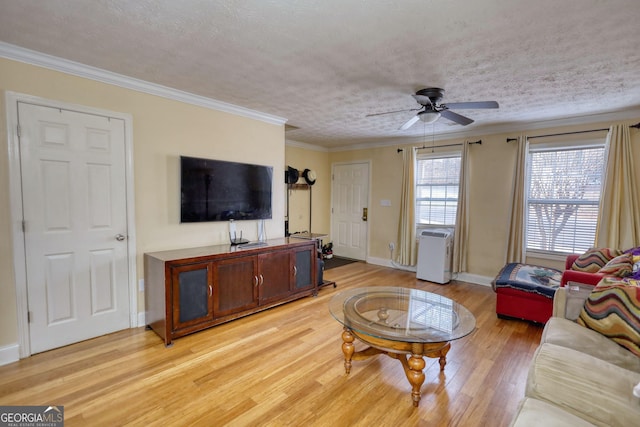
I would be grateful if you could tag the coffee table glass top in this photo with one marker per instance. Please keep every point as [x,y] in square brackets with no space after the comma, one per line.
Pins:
[402,314]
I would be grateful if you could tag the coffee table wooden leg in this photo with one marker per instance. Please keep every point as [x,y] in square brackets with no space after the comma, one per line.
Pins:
[443,356]
[347,348]
[415,376]
[413,366]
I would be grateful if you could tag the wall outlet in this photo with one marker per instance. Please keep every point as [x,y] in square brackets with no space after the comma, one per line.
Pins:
[392,246]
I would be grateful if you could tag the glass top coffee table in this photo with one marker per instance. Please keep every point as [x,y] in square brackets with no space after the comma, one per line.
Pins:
[405,324]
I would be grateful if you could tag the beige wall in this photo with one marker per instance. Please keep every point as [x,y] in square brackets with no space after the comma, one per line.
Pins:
[385,175]
[318,161]
[162,130]
[491,172]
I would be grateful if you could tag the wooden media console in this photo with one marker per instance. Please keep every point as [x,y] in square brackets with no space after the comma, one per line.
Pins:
[188,290]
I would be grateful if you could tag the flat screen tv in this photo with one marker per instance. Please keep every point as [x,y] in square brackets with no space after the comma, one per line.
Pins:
[216,190]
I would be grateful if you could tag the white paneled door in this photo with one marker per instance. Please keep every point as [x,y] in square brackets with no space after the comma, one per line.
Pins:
[75,224]
[349,210]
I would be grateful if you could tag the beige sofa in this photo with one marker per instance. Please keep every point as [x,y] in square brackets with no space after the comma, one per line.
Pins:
[579,377]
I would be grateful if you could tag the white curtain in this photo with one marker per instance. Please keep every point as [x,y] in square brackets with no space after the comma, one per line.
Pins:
[462,215]
[515,242]
[407,248]
[619,214]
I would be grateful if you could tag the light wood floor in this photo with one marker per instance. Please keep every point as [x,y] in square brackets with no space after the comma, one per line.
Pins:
[283,366]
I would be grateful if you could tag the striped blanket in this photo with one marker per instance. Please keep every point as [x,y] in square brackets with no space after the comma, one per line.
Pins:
[613,309]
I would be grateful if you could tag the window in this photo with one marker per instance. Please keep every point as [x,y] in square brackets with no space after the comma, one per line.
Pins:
[563,195]
[437,181]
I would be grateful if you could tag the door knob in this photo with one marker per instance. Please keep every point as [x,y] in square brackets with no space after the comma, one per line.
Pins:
[120,237]
[365,213]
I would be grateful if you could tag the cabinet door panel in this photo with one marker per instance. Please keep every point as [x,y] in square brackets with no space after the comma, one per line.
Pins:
[276,275]
[304,259]
[235,285]
[191,295]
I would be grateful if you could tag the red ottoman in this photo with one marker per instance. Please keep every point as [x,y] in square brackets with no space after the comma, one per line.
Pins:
[525,291]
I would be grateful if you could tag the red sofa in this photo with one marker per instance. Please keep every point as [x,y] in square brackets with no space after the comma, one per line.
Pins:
[570,276]
[521,297]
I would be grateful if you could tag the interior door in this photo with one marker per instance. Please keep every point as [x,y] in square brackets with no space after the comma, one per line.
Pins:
[75,224]
[349,212]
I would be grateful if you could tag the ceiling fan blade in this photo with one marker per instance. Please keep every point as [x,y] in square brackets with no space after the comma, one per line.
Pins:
[409,123]
[422,99]
[455,117]
[471,105]
[391,112]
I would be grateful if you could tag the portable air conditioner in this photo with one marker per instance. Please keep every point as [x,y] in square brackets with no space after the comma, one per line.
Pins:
[435,251]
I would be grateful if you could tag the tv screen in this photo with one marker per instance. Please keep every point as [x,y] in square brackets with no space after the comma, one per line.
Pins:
[216,190]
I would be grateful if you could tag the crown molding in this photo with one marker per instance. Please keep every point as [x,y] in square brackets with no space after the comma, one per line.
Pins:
[591,119]
[516,127]
[306,146]
[39,59]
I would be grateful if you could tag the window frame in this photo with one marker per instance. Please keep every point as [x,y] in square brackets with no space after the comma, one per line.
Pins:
[555,146]
[432,156]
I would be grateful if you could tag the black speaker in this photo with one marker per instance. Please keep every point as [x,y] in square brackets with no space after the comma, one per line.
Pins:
[291,175]
[320,271]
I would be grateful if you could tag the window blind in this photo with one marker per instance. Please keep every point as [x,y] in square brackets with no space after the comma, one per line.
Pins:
[437,180]
[563,196]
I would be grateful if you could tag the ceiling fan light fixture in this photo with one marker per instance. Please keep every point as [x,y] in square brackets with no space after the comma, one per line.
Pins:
[429,116]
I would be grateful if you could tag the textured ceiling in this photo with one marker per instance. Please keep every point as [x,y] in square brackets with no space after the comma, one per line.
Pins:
[325,64]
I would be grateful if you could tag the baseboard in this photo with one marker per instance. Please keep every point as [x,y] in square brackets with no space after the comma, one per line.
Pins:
[141,319]
[476,279]
[389,263]
[463,277]
[9,354]
[379,261]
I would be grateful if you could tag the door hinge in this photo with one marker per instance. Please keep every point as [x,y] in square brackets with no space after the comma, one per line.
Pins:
[24,226]
[28,317]
[19,130]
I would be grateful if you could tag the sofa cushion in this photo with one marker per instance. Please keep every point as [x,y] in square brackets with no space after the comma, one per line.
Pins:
[635,254]
[635,270]
[565,333]
[534,413]
[613,309]
[620,266]
[592,389]
[594,259]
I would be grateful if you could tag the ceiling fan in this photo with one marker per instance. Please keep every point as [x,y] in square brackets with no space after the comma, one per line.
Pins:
[431,109]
